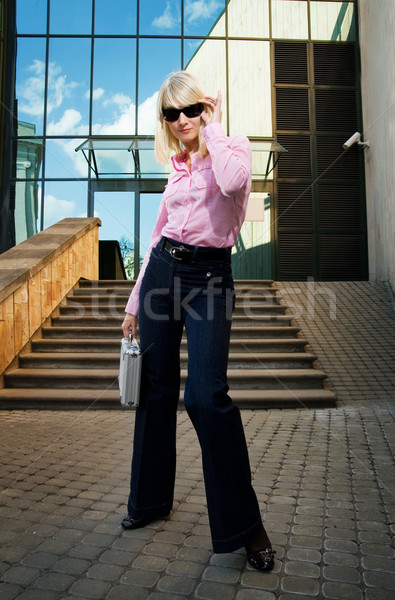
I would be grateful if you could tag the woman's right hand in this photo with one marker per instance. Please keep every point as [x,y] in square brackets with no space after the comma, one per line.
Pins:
[130,323]
[214,104]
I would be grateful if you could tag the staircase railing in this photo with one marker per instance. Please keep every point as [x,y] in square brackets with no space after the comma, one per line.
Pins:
[37,274]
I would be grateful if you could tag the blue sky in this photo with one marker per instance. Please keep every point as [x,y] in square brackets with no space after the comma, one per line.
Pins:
[114,76]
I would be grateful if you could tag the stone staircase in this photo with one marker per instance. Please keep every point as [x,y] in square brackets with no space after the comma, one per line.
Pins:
[72,362]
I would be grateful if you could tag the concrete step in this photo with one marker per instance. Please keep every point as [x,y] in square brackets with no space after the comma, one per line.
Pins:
[102,330]
[97,311]
[103,320]
[108,378]
[122,294]
[72,399]
[93,345]
[109,303]
[241,284]
[73,362]
[110,360]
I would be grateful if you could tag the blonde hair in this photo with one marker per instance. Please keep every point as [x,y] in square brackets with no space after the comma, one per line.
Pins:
[180,89]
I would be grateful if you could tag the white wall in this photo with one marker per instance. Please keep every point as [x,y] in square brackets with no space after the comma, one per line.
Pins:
[377,40]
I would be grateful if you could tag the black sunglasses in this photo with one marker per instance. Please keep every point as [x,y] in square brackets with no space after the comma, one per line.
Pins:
[173,114]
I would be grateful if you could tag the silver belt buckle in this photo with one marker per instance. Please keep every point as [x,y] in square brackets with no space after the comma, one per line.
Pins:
[180,249]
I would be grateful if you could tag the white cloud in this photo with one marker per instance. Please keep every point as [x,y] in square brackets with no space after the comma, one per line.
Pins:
[96,94]
[120,100]
[67,124]
[195,10]
[123,123]
[56,209]
[118,119]
[201,9]
[31,92]
[167,20]
[147,114]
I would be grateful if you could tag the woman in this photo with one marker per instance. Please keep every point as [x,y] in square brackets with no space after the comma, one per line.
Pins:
[186,280]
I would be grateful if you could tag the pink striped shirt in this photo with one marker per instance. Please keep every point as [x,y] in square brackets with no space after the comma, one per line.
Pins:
[205,206]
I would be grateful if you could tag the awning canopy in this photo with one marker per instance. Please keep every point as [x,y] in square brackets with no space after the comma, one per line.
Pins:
[133,157]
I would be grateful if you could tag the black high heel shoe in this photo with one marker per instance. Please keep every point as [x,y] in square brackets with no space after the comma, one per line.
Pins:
[129,523]
[263,560]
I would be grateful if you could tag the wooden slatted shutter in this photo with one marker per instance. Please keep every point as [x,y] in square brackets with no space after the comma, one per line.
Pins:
[290,62]
[295,207]
[295,256]
[320,207]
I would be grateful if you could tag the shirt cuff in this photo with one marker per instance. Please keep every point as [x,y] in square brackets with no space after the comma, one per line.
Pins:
[132,306]
[213,131]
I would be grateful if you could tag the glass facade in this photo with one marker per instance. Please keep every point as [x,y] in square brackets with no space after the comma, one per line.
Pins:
[93,68]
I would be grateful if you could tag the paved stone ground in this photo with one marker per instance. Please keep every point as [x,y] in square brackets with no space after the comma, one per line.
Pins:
[324,478]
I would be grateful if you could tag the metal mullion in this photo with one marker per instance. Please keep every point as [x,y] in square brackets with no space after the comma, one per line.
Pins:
[313,154]
[52,137]
[308,21]
[31,35]
[227,69]
[53,35]
[136,252]
[182,35]
[357,88]
[44,137]
[92,66]
[137,67]
[70,36]
[273,199]
[51,179]
[109,36]
[90,201]
[136,193]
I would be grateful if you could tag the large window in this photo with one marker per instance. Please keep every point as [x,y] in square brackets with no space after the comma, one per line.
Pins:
[94,68]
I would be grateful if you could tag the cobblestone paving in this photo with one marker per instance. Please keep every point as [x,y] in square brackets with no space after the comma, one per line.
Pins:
[324,478]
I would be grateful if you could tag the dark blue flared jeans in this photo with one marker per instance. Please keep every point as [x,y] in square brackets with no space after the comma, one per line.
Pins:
[199,295]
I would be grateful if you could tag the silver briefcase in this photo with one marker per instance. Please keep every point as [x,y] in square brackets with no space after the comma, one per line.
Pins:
[129,373]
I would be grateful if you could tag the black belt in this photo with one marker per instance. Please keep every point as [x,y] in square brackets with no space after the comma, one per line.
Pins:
[186,252]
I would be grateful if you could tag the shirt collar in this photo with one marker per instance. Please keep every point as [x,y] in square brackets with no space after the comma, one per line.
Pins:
[179,161]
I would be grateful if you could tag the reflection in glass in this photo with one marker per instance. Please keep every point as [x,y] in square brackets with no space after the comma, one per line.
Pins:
[251,256]
[153,70]
[191,47]
[29,153]
[204,18]
[251,21]
[28,166]
[211,71]
[114,87]
[249,89]
[160,18]
[116,212]
[289,19]
[149,206]
[64,199]
[31,16]
[68,84]
[145,161]
[119,21]
[61,160]
[333,21]
[108,157]
[71,17]
[30,81]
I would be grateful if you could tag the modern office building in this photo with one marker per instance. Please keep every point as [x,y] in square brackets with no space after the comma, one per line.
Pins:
[299,77]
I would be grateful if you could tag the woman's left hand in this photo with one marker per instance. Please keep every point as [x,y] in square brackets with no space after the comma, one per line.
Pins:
[214,104]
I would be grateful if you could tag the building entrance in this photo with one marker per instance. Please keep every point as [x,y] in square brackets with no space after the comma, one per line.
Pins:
[127,210]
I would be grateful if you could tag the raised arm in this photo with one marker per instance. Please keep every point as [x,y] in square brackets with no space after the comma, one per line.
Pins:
[231,156]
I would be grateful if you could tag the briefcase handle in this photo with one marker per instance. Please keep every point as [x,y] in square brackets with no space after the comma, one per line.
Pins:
[132,341]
